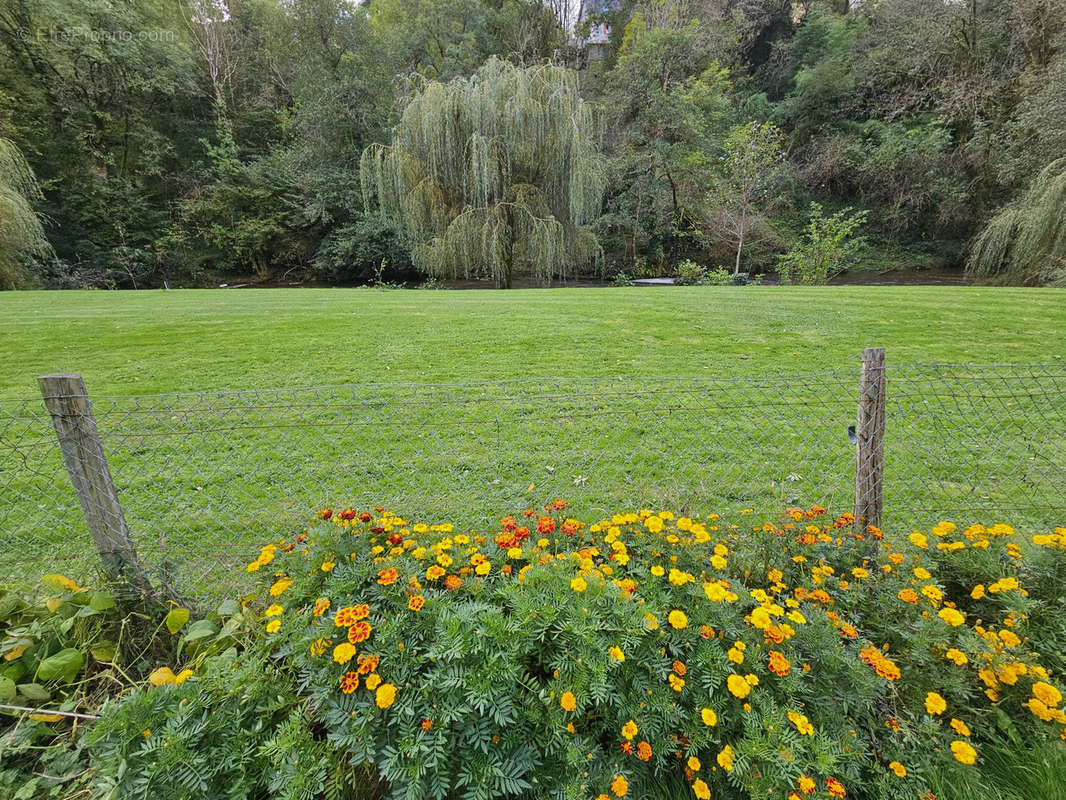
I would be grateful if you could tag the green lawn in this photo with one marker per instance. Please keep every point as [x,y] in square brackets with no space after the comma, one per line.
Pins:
[125,342]
[203,478]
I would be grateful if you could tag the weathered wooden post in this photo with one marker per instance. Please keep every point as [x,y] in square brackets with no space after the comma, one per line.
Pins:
[83,454]
[869,435]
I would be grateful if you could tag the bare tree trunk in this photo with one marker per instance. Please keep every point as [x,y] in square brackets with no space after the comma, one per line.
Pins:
[740,246]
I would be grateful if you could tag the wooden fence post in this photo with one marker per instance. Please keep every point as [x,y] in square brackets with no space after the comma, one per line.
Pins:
[869,435]
[83,454]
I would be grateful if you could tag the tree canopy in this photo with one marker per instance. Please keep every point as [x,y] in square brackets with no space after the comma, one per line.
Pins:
[493,175]
[207,140]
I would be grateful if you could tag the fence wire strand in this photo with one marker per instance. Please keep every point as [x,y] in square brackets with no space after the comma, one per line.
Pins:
[203,477]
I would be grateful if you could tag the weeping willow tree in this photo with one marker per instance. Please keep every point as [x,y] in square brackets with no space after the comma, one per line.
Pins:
[21,234]
[1026,241]
[494,175]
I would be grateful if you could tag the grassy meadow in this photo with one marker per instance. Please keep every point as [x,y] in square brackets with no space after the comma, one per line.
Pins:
[214,340]
[201,478]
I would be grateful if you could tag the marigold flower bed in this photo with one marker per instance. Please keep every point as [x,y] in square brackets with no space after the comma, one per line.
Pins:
[655,655]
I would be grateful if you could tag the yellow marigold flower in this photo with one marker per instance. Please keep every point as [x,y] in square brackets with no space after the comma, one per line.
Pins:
[715,592]
[694,763]
[952,617]
[274,610]
[1039,709]
[806,784]
[373,680]
[859,572]
[657,571]
[344,652]
[738,687]
[922,574]
[578,584]
[679,578]
[321,606]
[651,621]
[803,725]
[385,695]
[933,594]
[710,719]
[677,619]
[898,769]
[701,790]
[735,655]
[957,656]
[960,727]
[1009,638]
[616,653]
[725,758]
[328,565]
[279,586]
[676,683]
[273,626]
[619,785]
[963,752]
[568,701]
[751,679]
[629,730]
[319,646]
[934,703]
[760,618]
[918,539]
[1046,693]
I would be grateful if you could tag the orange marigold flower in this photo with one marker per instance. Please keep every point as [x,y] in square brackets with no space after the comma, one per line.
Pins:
[835,787]
[388,576]
[367,664]
[568,701]
[619,786]
[806,784]
[416,602]
[452,582]
[680,668]
[427,724]
[359,632]
[644,751]
[779,665]
[321,606]
[545,525]
[627,748]
[349,682]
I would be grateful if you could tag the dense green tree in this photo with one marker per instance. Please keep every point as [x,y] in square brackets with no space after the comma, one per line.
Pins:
[746,186]
[493,175]
[668,107]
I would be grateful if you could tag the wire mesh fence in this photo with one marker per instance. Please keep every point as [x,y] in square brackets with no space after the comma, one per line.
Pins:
[203,478]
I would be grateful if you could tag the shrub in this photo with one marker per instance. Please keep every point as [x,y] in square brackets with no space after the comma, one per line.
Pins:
[689,273]
[235,729]
[830,243]
[646,653]
[63,647]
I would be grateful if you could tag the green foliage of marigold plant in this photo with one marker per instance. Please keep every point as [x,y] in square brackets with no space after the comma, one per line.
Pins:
[651,655]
